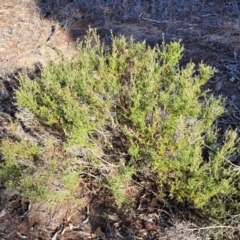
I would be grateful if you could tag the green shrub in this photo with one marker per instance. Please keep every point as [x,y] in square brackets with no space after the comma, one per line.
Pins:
[118,182]
[20,158]
[142,94]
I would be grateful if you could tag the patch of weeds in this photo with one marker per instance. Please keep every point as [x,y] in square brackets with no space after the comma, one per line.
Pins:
[71,180]
[119,182]
[35,186]
[20,158]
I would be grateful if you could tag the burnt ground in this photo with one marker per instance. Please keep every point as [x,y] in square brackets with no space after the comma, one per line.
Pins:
[33,32]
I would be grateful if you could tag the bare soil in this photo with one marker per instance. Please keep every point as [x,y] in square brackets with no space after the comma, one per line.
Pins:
[34,32]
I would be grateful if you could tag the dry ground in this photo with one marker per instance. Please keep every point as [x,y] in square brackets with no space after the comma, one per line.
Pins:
[34,32]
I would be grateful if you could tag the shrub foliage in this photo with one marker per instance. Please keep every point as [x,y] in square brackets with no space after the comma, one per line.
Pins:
[142,94]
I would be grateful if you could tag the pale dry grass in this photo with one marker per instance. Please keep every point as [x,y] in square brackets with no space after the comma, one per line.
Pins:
[23,29]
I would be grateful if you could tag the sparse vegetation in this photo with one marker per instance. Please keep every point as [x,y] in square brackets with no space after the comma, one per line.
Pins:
[142,95]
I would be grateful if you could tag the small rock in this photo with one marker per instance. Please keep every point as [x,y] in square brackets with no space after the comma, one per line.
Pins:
[233,98]
[3,92]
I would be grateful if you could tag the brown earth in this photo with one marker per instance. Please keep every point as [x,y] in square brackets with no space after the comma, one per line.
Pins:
[34,32]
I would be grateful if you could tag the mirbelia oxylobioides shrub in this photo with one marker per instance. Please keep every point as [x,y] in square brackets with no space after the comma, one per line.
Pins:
[143,94]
